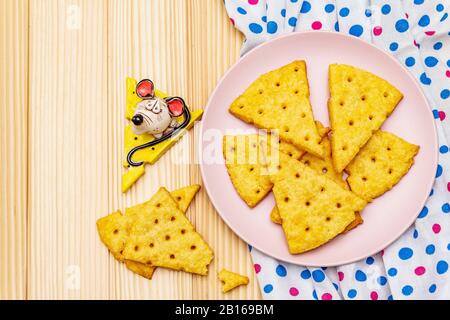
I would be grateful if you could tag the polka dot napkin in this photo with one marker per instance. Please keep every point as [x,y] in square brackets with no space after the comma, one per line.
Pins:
[417,33]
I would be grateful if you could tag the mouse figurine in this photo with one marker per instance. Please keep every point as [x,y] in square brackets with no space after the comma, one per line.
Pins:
[154,115]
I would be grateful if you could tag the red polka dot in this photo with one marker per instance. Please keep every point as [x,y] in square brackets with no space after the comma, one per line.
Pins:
[447,73]
[419,271]
[257,268]
[232,21]
[415,43]
[341,276]
[442,115]
[430,33]
[382,252]
[436,228]
[327,296]
[448,187]
[293,292]
[316,25]
[377,30]
[253,2]
[374,295]
[406,15]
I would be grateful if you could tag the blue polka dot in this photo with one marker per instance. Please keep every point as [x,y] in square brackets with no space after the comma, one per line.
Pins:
[393,46]
[272,27]
[292,21]
[392,272]
[329,8]
[370,260]
[444,17]
[264,18]
[268,288]
[305,274]
[415,234]
[423,213]
[424,21]
[360,276]
[306,7]
[382,280]
[294,1]
[344,12]
[405,253]
[432,288]
[430,249]
[390,298]
[410,61]
[448,63]
[351,293]
[445,94]
[250,248]
[386,9]
[443,149]
[335,286]
[446,208]
[431,61]
[431,192]
[315,295]
[356,30]
[418,2]
[255,28]
[402,25]
[437,46]
[424,79]
[435,114]
[336,26]
[439,171]
[368,13]
[439,7]
[281,271]
[407,290]
[242,10]
[318,275]
[283,13]
[442,267]
[448,246]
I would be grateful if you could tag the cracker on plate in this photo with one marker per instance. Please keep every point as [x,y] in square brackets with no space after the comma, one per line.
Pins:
[280,100]
[162,236]
[313,208]
[232,280]
[359,104]
[380,165]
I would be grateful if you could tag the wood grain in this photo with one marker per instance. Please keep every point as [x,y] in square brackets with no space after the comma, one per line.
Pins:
[63,141]
[13,148]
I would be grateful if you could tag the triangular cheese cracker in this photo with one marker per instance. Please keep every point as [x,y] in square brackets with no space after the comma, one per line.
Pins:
[162,236]
[313,208]
[243,160]
[280,100]
[114,229]
[232,280]
[359,104]
[380,165]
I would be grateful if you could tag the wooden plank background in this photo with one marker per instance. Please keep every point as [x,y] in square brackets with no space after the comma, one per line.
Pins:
[63,65]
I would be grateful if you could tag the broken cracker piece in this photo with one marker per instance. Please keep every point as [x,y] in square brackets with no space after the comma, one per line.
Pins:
[232,280]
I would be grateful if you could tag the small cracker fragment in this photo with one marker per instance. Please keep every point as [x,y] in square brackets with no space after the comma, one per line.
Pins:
[243,162]
[113,229]
[279,100]
[380,165]
[359,104]
[162,236]
[232,280]
[313,208]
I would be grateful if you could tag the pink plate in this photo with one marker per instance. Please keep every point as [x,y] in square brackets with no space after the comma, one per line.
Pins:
[387,217]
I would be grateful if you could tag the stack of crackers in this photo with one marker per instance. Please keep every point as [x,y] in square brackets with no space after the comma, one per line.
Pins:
[322,178]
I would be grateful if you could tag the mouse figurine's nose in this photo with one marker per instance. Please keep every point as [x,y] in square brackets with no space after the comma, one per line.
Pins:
[137,120]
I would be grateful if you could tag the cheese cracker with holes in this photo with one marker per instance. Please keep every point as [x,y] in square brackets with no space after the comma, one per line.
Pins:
[162,236]
[280,100]
[114,229]
[380,165]
[359,104]
[232,280]
[313,208]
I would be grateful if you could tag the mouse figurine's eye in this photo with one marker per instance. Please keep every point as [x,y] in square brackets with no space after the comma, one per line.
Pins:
[137,120]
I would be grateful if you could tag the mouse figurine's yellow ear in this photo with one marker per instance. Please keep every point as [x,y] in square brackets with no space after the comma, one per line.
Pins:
[149,147]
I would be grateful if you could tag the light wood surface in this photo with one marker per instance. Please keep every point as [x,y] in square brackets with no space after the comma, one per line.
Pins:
[63,65]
